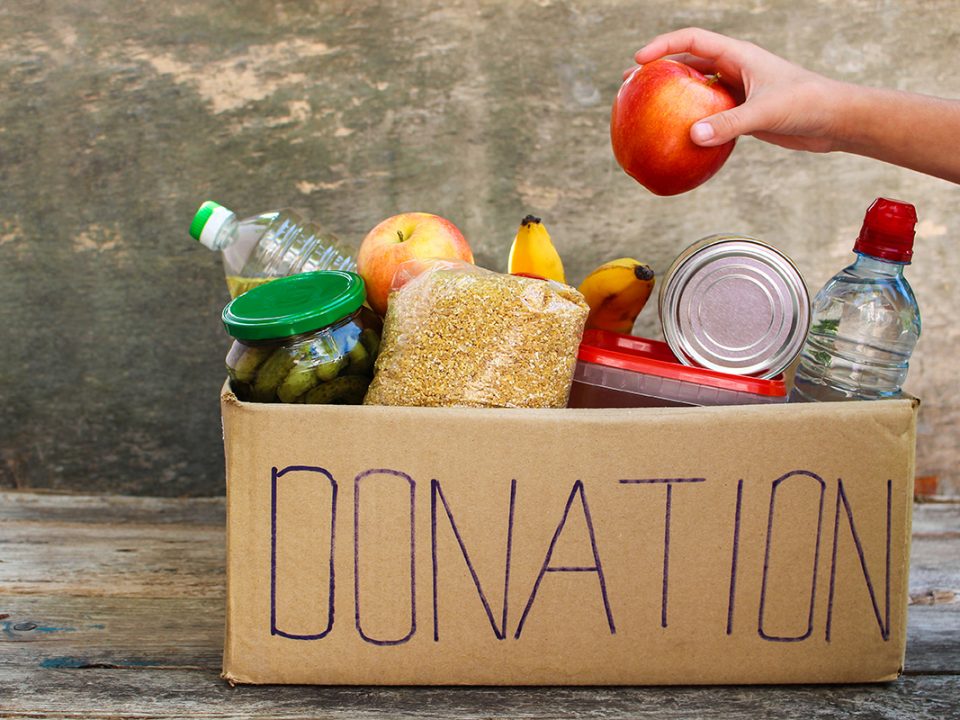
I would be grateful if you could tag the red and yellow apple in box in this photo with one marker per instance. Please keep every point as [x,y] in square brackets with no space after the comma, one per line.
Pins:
[650,125]
[408,236]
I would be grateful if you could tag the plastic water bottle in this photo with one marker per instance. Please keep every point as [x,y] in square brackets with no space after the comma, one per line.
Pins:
[267,246]
[865,320]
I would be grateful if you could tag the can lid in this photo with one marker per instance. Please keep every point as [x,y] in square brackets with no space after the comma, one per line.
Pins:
[207,222]
[651,357]
[735,304]
[888,230]
[293,305]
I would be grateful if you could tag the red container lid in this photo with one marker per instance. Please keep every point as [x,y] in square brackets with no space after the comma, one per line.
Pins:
[651,357]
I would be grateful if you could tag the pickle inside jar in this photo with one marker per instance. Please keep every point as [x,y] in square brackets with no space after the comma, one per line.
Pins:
[333,366]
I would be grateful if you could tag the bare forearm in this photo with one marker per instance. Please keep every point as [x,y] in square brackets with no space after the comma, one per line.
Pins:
[914,131]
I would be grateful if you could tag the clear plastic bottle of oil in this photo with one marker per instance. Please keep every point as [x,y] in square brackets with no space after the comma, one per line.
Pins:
[264,247]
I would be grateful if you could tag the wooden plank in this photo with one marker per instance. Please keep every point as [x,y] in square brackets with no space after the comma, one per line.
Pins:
[929,519]
[933,645]
[56,545]
[187,632]
[934,568]
[111,560]
[83,632]
[106,693]
[114,509]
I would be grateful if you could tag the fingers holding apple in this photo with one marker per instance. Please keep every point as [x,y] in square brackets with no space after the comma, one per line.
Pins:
[650,125]
[403,237]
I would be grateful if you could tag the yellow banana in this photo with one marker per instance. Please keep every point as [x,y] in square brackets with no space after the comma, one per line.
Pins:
[616,293]
[533,253]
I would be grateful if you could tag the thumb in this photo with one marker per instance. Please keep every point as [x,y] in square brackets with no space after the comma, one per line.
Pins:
[726,126]
[762,112]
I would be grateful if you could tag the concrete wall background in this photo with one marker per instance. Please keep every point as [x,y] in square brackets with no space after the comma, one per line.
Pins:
[118,117]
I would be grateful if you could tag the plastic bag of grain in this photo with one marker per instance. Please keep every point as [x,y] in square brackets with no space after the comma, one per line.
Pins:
[456,334]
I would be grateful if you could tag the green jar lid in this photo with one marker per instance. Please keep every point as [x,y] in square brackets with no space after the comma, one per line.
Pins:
[293,305]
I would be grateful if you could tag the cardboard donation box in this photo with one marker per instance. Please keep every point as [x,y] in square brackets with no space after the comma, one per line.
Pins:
[393,545]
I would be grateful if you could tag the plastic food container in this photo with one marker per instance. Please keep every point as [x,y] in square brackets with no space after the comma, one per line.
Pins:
[625,371]
[305,338]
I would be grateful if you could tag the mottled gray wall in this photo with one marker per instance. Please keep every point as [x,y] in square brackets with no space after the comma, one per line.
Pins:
[118,117]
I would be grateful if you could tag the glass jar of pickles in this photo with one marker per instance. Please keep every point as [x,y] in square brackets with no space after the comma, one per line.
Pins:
[305,338]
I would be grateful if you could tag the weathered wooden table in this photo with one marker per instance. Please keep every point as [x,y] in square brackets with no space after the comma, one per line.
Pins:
[112,607]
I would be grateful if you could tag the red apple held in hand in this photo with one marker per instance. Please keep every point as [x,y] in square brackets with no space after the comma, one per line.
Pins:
[650,125]
[408,236]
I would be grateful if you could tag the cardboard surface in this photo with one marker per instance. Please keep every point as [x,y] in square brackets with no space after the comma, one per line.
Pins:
[754,544]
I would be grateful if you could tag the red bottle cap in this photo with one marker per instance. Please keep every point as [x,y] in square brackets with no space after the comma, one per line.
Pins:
[887,231]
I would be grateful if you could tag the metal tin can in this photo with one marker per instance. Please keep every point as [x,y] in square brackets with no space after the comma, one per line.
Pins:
[735,304]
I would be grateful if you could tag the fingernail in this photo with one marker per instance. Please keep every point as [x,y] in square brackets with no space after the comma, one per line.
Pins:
[701,132]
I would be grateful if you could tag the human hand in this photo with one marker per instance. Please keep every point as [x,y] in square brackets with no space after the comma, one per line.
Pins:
[781,103]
